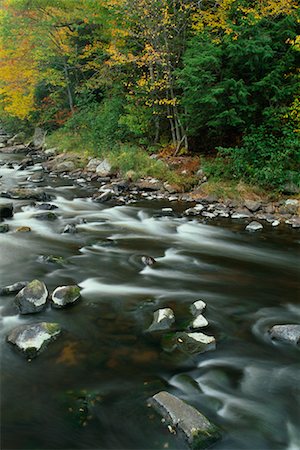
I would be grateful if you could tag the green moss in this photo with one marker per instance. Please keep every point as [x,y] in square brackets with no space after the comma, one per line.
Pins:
[203,439]
[52,328]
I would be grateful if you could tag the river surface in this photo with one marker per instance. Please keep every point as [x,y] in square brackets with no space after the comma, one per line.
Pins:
[89,389]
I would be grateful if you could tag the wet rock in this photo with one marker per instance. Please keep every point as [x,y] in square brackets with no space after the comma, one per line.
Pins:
[23,229]
[275,223]
[70,228]
[27,194]
[104,197]
[6,210]
[241,214]
[200,432]
[36,178]
[199,322]
[148,260]
[194,342]
[13,288]
[163,319]
[294,221]
[50,216]
[252,205]
[47,206]
[32,298]
[104,169]
[65,295]
[4,228]
[254,226]
[33,339]
[289,333]
[52,259]
[197,307]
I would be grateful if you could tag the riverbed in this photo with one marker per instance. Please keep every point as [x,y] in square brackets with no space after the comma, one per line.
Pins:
[90,387]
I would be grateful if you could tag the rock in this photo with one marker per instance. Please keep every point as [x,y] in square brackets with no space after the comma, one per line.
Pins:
[27,194]
[104,197]
[148,260]
[254,226]
[65,295]
[194,342]
[47,207]
[50,152]
[23,229]
[39,138]
[13,288]
[104,169]
[34,338]
[6,210]
[163,319]
[289,333]
[149,184]
[241,214]
[36,178]
[270,209]
[275,223]
[64,166]
[173,188]
[17,139]
[4,228]
[53,259]
[70,228]
[50,216]
[252,205]
[196,428]
[199,322]
[197,307]
[291,188]
[290,206]
[32,298]
[93,164]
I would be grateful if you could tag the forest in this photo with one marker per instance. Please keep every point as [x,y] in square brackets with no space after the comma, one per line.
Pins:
[129,78]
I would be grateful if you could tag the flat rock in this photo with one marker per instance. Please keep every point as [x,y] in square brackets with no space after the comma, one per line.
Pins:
[241,214]
[163,319]
[254,226]
[289,333]
[194,342]
[32,298]
[34,338]
[197,307]
[6,210]
[65,295]
[196,428]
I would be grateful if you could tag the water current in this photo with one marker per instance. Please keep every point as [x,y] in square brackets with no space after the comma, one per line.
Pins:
[89,389]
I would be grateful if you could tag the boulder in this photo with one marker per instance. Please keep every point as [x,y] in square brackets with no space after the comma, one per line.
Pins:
[65,295]
[104,169]
[36,178]
[64,166]
[289,333]
[49,216]
[148,260]
[93,164]
[254,226]
[32,298]
[194,342]
[70,228]
[197,307]
[34,338]
[13,288]
[47,206]
[149,184]
[4,228]
[163,319]
[199,322]
[290,206]
[252,205]
[27,194]
[241,214]
[200,432]
[6,210]
[23,229]
[104,197]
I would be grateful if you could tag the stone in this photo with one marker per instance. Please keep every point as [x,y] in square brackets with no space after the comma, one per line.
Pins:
[149,184]
[199,322]
[197,307]
[33,339]
[70,228]
[104,197]
[275,223]
[23,229]
[65,295]
[6,210]
[36,178]
[289,333]
[195,427]
[49,216]
[39,138]
[27,194]
[163,319]
[47,206]
[64,166]
[16,139]
[148,260]
[104,169]
[4,228]
[13,288]
[194,342]
[172,188]
[52,259]
[290,206]
[93,164]
[254,226]
[50,152]
[32,298]
[252,205]
[241,214]
[291,188]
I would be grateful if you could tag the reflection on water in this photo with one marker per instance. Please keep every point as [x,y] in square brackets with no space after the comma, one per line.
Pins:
[89,389]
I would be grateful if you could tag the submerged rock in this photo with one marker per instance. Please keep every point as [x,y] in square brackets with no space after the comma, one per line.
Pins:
[34,338]
[53,259]
[49,216]
[27,194]
[148,260]
[70,228]
[13,288]
[254,226]
[47,206]
[6,210]
[163,319]
[65,295]
[4,228]
[32,298]
[289,333]
[194,342]
[196,428]
[197,307]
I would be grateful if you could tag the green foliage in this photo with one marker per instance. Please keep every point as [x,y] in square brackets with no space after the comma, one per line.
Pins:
[267,159]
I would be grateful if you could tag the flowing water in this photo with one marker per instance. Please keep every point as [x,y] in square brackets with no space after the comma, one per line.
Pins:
[89,389]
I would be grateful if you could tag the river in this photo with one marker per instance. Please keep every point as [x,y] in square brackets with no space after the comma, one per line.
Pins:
[89,389]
